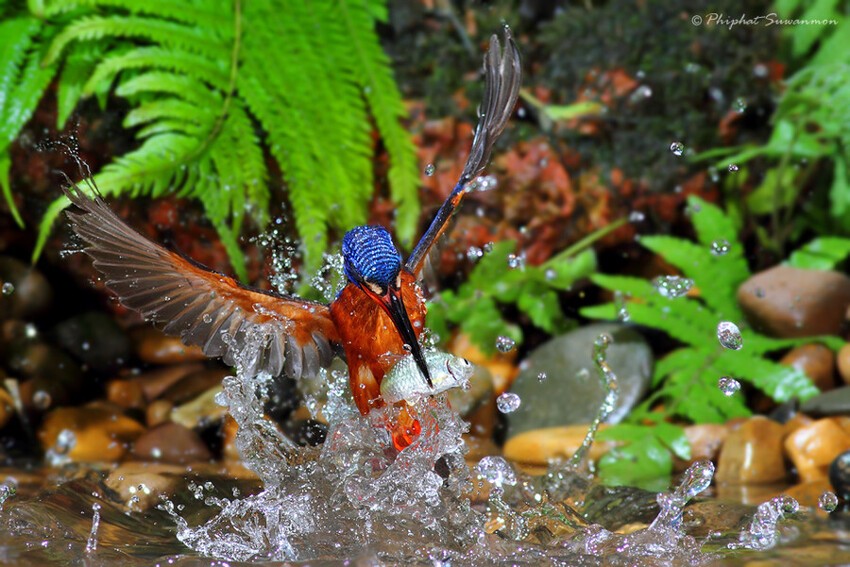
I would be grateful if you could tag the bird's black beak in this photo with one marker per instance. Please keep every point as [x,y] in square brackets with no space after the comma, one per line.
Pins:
[394,307]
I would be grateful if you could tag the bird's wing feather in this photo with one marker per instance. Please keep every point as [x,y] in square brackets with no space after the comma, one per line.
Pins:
[203,307]
[503,75]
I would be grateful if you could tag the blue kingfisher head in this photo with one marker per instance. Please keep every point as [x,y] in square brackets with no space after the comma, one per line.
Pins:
[373,263]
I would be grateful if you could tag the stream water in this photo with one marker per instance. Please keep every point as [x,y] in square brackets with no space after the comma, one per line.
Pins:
[356,500]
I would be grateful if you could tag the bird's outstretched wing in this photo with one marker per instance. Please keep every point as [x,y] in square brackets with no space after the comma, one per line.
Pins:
[267,331]
[503,75]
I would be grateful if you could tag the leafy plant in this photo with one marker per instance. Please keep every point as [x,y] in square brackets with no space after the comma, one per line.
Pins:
[214,85]
[685,382]
[809,130]
[500,278]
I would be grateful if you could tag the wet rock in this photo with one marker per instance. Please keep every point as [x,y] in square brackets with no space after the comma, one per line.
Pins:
[465,402]
[199,411]
[155,347]
[792,302]
[815,361]
[193,385]
[24,291]
[834,402]
[839,475]
[539,446]
[812,448]
[7,407]
[155,382]
[571,391]
[614,507]
[843,363]
[501,365]
[752,454]
[141,485]
[159,411]
[49,376]
[798,421]
[705,440]
[95,339]
[125,393]
[171,443]
[100,434]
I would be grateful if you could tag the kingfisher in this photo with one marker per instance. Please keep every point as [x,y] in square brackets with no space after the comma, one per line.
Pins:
[374,320]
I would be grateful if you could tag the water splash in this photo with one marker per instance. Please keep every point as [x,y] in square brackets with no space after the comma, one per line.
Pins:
[91,544]
[762,533]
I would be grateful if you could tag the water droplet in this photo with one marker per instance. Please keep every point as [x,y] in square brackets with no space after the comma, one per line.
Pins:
[733,167]
[740,104]
[474,253]
[430,169]
[516,261]
[541,377]
[728,385]
[720,247]
[678,148]
[729,335]
[508,402]
[623,314]
[636,216]
[496,471]
[828,501]
[41,400]
[8,288]
[672,287]
[65,441]
[505,344]
[207,318]
[643,92]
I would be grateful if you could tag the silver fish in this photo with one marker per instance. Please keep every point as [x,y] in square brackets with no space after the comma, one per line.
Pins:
[404,381]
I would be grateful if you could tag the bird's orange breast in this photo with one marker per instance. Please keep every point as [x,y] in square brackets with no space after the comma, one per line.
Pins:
[370,339]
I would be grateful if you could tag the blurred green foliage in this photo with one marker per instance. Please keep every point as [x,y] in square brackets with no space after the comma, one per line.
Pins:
[802,171]
[501,278]
[685,381]
[213,87]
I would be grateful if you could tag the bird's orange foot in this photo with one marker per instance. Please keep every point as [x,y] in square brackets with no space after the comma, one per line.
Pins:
[404,434]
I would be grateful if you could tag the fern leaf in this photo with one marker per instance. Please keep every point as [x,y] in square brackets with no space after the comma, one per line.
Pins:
[386,106]
[77,68]
[204,14]
[821,253]
[191,64]
[164,33]
[778,381]
[716,276]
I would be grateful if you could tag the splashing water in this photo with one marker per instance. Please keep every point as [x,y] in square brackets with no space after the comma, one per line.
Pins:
[729,335]
[762,532]
[91,544]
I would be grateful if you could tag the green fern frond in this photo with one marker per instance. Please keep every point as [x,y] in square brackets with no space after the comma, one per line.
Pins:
[205,14]
[162,32]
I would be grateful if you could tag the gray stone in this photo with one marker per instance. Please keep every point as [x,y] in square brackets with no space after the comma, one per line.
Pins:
[572,391]
[95,339]
[834,402]
[25,291]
